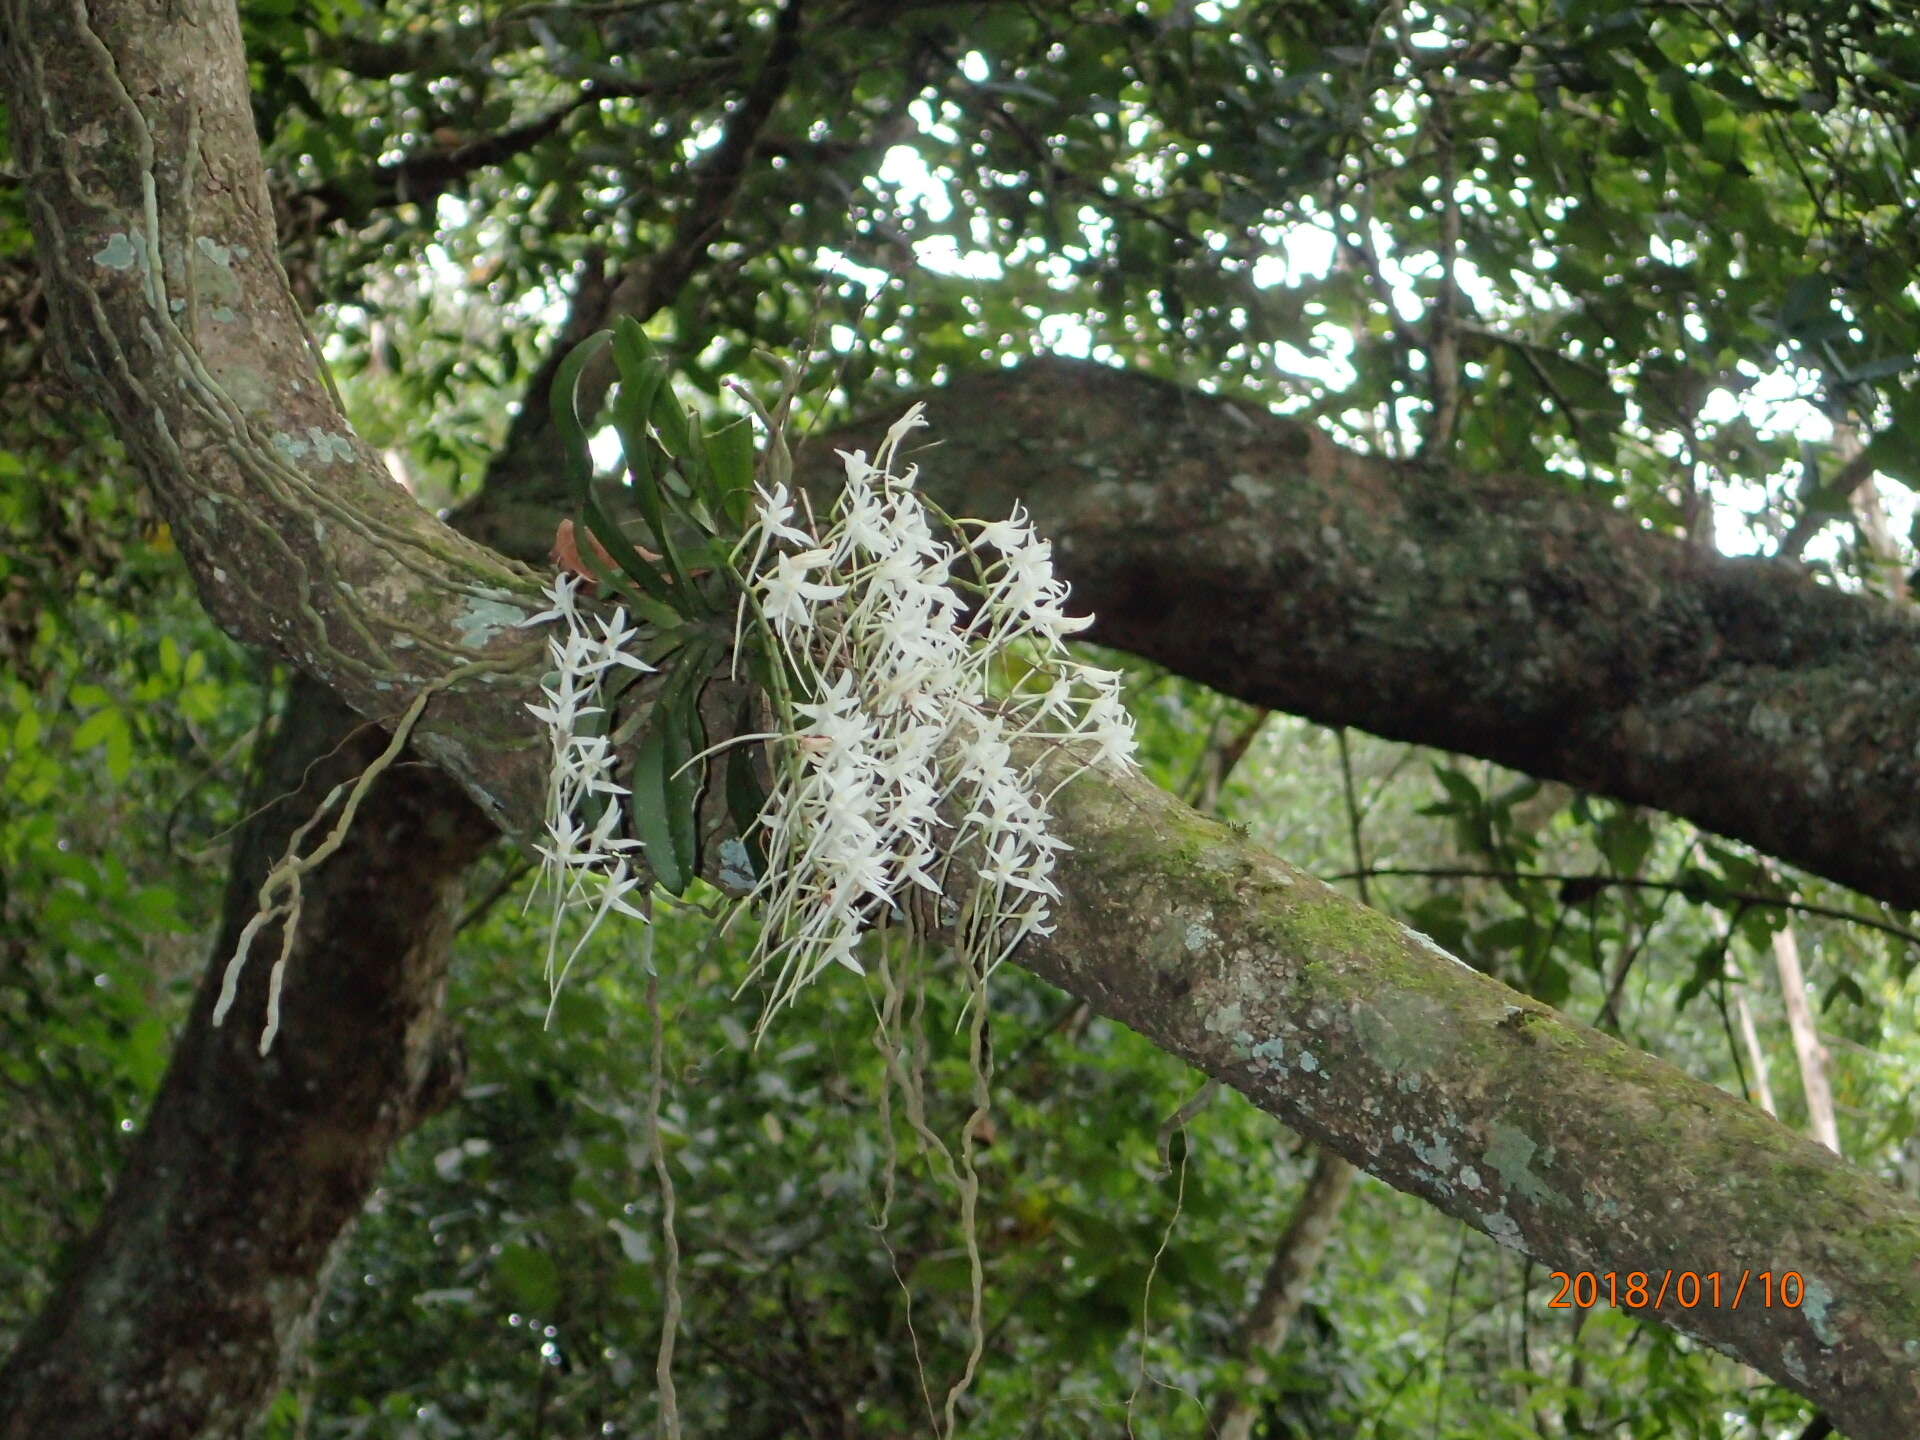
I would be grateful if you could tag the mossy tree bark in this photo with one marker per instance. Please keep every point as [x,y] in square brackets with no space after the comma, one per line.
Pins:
[1555,1140]
[1482,614]
[1325,575]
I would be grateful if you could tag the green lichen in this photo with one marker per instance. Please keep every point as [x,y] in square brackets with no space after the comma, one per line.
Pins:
[481,620]
[1510,1152]
[119,253]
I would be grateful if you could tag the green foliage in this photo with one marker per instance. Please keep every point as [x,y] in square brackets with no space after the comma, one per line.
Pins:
[1638,228]
[112,790]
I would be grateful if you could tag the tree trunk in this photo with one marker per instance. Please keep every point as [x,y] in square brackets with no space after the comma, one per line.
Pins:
[174,1318]
[1476,614]
[1282,1289]
[1806,1040]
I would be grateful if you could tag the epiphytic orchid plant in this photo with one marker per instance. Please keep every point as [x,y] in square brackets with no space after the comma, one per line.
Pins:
[912,666]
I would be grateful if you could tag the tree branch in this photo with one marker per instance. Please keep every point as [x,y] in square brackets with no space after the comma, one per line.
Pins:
[1543,1134]
[1813,518]
[166,294]
[422,179]
[1555,1140]
[1593,883]
[1487,615]
[650,282]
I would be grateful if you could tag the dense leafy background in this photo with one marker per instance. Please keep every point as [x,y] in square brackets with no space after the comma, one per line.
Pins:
[1665,254]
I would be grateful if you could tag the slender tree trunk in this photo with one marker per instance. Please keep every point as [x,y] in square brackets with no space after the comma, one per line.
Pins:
[1282,1289]
[1806,1040]
[1756,1057]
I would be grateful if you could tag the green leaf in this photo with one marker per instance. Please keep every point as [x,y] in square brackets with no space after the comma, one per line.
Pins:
[1515,932]
[564,401]
[98,729]
[635,353]
[730,453]
[943,1274]
[1807,299]
[1625,839]
[630,566]
[694,777]
[661,617]
[652,802]
[683,786]
[1682,106]
[529,1277]
[1844,986]
[677,717]
[643,376]
[745,797]
[695,472]
[1463,796]
[674,483]
[145,1052]
[1758,924]
[1737,871]
[1709,967]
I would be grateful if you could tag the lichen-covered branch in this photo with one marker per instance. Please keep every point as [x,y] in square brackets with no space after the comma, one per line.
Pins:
[1487,615]
[1550,1137]
[153,230]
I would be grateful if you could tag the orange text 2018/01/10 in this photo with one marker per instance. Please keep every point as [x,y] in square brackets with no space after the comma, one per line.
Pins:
[1688,1289]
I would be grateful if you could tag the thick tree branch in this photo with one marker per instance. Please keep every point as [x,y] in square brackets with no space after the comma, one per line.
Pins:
[1553,1139]
[1546,1135]
[1486,615]
[153,230]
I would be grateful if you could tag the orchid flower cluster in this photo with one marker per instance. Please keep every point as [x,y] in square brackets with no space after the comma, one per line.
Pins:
[901,705]
[909,728]
[584,862]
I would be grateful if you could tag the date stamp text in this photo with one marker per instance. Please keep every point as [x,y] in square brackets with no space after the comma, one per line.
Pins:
[1688,1289]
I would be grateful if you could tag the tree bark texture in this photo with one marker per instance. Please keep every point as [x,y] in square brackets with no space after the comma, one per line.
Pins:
[1486,615]
[147,198]
[1548,634]
[1555,1140]
[175,1316]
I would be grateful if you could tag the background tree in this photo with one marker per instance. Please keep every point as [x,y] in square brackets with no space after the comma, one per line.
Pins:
[1527,279]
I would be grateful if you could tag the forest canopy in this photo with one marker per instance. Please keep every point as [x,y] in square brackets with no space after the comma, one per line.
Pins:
[1484,438]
